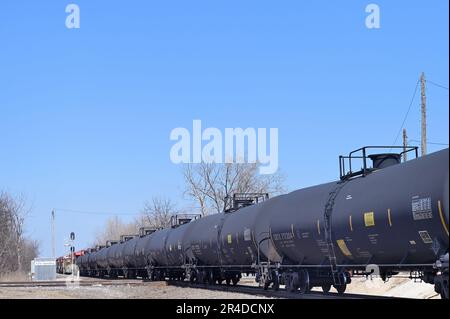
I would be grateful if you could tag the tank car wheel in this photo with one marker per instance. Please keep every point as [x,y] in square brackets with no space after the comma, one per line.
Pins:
[441,286]
[441,290]
[228,281]
[211,280]
[200,277]
[276,282]
[340,289]
[235,280]
[289,284]
[193,277]
[150,275]
[304,283]
[292,282]
[326,288]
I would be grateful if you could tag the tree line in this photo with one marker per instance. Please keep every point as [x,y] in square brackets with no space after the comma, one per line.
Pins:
[208,187]
[16,250]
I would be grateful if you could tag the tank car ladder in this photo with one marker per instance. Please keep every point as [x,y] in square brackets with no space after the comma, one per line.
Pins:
[337,279]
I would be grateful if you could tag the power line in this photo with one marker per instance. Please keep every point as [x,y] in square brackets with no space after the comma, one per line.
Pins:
[442,144]
[423,108]
[94,213]
[407,113]
[438,85]
[432,143]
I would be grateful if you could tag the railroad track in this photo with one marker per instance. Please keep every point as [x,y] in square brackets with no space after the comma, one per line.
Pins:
[64,283]
[282,294]
[240,288]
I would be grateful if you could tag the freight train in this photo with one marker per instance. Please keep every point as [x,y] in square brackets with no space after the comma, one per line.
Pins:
[384,217]
[64,263]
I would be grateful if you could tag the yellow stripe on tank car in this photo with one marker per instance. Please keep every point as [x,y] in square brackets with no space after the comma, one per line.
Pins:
[389,217]
[350,222]
[442,217]
[318,226]
[343,247]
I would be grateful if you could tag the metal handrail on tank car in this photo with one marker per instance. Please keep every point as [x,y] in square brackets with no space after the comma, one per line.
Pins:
[241,200]
[181,219]
[365,169]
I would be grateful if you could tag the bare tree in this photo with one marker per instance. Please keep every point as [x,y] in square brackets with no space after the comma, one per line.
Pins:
[197,186]
[15,249]
[157,213]
[210,184]
[113,229]
[7,240]
[29,251]
[19,215]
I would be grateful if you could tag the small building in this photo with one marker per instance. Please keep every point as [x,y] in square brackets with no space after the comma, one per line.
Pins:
[43,269]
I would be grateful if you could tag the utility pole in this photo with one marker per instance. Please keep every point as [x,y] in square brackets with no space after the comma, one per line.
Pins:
[405,144]
[53,234]
[72,251]
[424,115]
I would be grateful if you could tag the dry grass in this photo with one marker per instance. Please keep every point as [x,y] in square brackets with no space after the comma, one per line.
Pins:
[14,276]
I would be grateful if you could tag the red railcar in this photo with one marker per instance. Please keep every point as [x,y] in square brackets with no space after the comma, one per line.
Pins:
[64,263]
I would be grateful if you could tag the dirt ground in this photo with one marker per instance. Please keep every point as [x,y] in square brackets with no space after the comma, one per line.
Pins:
[154,290]
[395,287]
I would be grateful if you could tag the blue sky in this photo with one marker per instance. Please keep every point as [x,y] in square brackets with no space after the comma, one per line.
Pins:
[86,114]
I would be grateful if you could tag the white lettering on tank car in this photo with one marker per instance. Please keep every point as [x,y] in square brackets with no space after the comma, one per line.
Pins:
[426,238]
[421,208]
[283,236]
